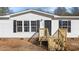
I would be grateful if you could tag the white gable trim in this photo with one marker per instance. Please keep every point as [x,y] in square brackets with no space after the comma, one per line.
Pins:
[33,11]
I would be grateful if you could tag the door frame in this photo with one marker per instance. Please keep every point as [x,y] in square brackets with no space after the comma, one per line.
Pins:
[49,25]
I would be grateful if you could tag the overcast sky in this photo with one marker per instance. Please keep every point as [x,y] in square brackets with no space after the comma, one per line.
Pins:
[48,9]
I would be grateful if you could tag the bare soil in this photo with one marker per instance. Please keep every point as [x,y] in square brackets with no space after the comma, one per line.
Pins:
[24,45]
[72,44]
[18,45]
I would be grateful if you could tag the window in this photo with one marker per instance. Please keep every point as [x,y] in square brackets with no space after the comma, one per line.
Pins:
[35,26]
[19,26]
[26,26]
[65,24]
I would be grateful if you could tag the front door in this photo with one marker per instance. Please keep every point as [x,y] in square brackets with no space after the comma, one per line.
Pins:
[47,24]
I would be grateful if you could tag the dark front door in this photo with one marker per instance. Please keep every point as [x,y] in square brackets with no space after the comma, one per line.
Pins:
[48,25]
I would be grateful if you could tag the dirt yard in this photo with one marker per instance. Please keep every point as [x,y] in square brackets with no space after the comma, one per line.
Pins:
[24,45]
[18,45]
[72,44]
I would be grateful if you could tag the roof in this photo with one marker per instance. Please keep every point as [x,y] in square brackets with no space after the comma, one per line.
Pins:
[32,11]
[40,13]
[67,17]
[5,17]
[44,14]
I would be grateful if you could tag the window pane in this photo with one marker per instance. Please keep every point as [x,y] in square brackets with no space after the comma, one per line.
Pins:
[34,26]
[26,29]
[19,29]
[26,23]
[26,26]
[66,24]
[60,23]
[19,23]
[19,26]
[33,29]
[33,23]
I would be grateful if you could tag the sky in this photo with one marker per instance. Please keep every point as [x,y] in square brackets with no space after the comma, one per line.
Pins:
[47,9]
[17,9]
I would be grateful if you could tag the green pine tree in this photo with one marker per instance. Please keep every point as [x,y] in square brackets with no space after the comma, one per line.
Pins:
[4,11]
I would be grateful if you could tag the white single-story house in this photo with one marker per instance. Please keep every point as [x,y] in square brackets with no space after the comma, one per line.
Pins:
[24,24]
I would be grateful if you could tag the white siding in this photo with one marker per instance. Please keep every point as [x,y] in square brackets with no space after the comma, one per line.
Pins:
[30,16]
[55,25]
[42,24]
[6,26]
[74,29]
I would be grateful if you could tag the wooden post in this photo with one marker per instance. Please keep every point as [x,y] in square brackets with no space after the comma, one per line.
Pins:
[40,43]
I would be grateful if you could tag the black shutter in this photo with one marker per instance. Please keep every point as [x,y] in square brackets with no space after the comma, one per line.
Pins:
[60,23]
[14,26]
[38,25]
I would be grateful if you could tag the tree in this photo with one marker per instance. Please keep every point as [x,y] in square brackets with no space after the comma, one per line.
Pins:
[61,11]
[4,11]
[75,11]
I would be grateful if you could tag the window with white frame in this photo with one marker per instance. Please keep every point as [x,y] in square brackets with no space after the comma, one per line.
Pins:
[34,26]
[19,26]
[26,26]
[65,24]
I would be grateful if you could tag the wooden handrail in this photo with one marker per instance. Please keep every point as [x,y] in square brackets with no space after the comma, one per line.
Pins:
[61,33]
[58,31]
[55,32]
[32,36]
[59,37]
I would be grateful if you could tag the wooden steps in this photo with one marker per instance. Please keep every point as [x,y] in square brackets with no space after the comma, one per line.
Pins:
[55,42]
